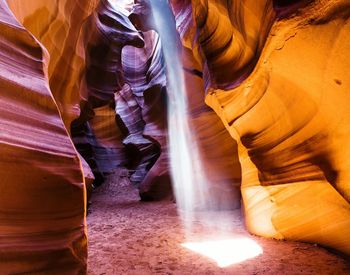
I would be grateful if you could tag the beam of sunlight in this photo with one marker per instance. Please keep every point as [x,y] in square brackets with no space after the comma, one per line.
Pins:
[202,208]
[189,178]
[226,252]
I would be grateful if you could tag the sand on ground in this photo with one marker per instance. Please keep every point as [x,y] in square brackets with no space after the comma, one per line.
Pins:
[127,236]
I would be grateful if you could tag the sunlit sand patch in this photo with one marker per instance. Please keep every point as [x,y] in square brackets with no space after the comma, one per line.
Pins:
[226,252]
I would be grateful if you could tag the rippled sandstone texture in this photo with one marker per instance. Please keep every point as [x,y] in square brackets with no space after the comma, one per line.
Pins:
[220,162]
[42,226]
[58,27]
[95,132]
[278,79]
[144,71]
[123,120]
[277,76]
[46,52]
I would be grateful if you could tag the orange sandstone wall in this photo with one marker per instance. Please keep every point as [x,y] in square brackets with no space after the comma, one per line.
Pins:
[58,26]
[218,151]
[42,226]
[277,76]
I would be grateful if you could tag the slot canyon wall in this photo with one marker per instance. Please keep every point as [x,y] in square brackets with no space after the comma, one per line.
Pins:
[49,78]
[79,71]
[274,74]
[42,226]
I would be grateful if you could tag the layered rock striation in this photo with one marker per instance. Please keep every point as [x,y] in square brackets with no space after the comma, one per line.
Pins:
[275,73]
[42,228]
[95,132]
[147,92]
[123,81]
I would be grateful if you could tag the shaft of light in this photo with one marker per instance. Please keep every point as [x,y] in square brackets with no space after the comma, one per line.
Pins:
[194,201]
[188,177]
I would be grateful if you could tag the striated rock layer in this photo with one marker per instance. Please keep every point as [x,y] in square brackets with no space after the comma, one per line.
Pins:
[85,40]
[58,25]
[104,34]
[221,162]
[276,74]
[42,224]
[120,89]
[145,73]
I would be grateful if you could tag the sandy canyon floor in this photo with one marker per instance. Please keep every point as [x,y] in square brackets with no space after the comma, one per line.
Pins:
[127,236]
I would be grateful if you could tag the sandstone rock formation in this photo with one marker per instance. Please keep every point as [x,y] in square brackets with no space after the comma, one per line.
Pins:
[124,86]
[223,168]
[276,74]
[145,73]
[95,132]
[58,26]
[42,228]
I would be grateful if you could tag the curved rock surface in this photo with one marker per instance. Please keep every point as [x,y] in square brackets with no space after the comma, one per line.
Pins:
[282,95]
[231,35]
[66,30]
[95,132]
[223,168]
[275,73]
[58,26]
[145,73]
[218,151]
[42,228]
[122,88]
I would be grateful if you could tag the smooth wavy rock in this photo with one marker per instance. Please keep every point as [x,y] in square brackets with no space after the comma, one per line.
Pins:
[84,40]
[231,35]
[289,115]
[42,226]
[106,32]
[95,132]
[144,71]
[57,25]
[218,151]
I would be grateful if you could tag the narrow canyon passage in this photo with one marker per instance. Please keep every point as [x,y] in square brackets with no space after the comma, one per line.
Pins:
[127,236]
[239,107]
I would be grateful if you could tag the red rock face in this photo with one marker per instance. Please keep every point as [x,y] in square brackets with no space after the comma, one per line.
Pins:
[58,27]
[271,70]
[145,73]
[42,185]
[274,72]
[118,125]
[95,132]
[85,43]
